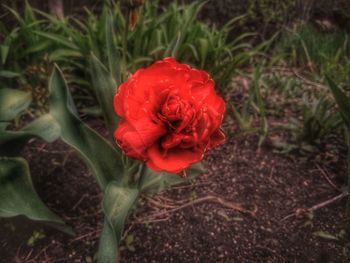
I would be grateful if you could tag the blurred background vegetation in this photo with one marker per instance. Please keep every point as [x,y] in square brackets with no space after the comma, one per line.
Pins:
[264,16]
[263,54]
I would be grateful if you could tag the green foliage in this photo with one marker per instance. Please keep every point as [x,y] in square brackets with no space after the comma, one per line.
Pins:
[117,203]
[105,83]
[176,32]
[258,103]
[271,12]
[314,52]
[343,103]
[85,141]
[18,196]
[12,141]
[342,100]
[319,120]
[321,52]
[307,111]
[254,105]
[36,236]
[12,103]
[40,39]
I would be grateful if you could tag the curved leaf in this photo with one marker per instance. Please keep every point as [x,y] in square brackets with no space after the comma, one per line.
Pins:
[13,102]
[57,38]
[18,197]
[101,157]
[45,127]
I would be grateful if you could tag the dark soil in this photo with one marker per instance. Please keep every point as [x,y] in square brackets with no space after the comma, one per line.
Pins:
[238,174]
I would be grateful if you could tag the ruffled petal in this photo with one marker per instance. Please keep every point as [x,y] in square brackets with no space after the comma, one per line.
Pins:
[135,138]
[171,115]
[119,98]
[172,160]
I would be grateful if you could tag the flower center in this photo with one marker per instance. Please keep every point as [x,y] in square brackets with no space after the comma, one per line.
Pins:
[179,116]
[177,113]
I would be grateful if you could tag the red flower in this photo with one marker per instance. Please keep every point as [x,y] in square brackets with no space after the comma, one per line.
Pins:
[170,115]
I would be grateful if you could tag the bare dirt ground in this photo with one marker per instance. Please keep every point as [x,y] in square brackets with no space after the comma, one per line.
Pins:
[242,209]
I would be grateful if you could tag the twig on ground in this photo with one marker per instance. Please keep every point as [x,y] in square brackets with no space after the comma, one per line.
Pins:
[126,231]
[151,221]
[301,211]
[80,200]
[42,149]
[190,185]
[209,198]
[159,204]
[18,258]
[307,81]
[327,177]
[92,233]
[43,251]
[170,200]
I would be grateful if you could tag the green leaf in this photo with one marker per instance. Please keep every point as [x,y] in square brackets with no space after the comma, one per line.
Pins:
[8,74]
[174,45]
[153,182]
[92,111]
[193,50]
[325,235]
[105,87]
[18,196]
[45,127]
[4,50]
[39,47]
[3,126]
[142,60]
[64,53]
[342,100]
[203,47]
[112,52]
[28,13]
[16,15]
[57,38]
[101,157]
[117,203]
[13,102]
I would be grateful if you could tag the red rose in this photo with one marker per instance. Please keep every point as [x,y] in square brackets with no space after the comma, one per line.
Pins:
[170,115]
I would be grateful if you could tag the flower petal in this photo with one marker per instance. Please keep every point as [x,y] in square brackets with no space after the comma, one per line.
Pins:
[218,137]
[135,138]
[172,160]
[119,98]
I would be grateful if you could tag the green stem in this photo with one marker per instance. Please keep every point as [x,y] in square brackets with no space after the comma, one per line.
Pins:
[140,179]
[125,45]
[108,253]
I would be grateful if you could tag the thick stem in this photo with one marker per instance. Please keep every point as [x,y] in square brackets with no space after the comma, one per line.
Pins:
[108,253]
